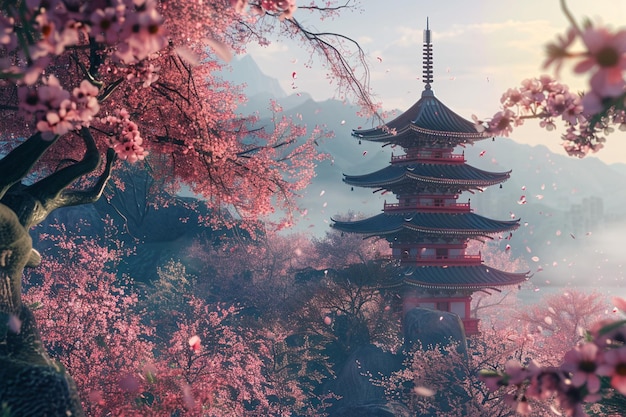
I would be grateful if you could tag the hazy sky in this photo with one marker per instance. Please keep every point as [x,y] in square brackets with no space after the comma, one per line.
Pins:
[481,48]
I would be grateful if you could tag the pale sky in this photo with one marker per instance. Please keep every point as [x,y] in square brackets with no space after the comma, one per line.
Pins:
[481,48]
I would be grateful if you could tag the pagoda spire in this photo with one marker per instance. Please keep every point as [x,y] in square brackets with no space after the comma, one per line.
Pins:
[427,58]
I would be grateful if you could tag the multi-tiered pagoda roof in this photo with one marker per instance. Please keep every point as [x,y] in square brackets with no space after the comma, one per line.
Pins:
[421,224]
[425,176]
[427,123]
[427,228]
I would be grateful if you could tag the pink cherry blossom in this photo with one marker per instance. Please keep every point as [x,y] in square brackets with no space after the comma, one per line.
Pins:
[106,24]
[502,123]
[614,365]
[607,54]
[582,362]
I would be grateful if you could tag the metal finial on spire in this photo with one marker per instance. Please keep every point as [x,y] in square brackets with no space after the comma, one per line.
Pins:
[427,57]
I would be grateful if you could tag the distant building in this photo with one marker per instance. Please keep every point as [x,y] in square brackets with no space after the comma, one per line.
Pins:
[586,217]
[427,228]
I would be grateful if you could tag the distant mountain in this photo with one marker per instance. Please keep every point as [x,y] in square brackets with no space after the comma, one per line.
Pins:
[243,70]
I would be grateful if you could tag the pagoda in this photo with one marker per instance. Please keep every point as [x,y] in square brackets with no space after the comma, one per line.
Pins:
[428,228]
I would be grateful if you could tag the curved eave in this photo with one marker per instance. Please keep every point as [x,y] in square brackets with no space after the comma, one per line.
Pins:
[457,224]
[485,181]
[389,175]
[473,277]
[378,225]
[429,117]
[462,175]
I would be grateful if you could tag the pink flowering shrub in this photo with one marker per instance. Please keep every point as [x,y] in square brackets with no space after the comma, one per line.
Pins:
[589,379]
[588,117]
[88,320]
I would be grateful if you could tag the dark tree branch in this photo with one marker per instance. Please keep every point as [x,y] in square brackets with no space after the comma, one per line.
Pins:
[16,165]
[34,203]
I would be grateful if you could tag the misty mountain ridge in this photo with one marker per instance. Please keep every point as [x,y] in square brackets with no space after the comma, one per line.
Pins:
[564,203]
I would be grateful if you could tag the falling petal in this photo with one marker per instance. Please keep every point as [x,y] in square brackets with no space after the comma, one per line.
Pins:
[539,197]
[129,383]
[188,399]
[14,323]
[220,49]
[482,153]
[523,187]
[294,75]
[364,153]
[327,321]
[379,59]
[194,343]
[535,259]
[343,122]
[188,56]
[508,247]
[548,320]
[620,303]
[322,192]
[423,391]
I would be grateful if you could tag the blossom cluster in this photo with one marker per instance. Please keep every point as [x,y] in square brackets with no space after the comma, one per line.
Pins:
[589,116]
[133,29]
[284,8]
[124,138]
[593,370]
[55,110]
[34,32]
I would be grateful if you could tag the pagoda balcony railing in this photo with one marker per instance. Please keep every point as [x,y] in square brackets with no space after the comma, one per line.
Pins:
[434,260]
[453,207]
[445,260]
[428,157]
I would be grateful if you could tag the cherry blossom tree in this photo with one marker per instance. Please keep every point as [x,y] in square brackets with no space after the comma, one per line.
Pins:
[271,375]
[135,80]
[577,374]
[448,382]
[90,322]
[588,117]
[141,77]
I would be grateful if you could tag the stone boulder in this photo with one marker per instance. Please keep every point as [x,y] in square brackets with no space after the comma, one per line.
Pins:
[430,328]
[354,382]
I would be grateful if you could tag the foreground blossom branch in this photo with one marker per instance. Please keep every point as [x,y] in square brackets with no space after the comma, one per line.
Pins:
[594,371]
[587,117]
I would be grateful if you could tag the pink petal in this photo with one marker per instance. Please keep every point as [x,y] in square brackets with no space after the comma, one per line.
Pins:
[220,49]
